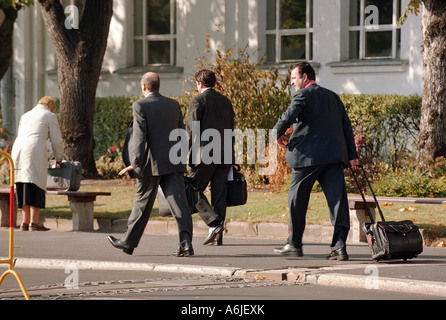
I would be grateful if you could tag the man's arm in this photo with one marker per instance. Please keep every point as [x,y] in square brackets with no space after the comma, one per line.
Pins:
[288,118]
[194,113]
[139,136]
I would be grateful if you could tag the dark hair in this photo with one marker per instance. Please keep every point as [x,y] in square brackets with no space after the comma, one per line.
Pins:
[305,67]
[206,77]
[151,81]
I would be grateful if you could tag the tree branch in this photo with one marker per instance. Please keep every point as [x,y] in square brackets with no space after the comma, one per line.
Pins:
[54,17]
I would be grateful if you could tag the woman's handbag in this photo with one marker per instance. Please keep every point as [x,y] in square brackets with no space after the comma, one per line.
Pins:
[67,177]
[237,194]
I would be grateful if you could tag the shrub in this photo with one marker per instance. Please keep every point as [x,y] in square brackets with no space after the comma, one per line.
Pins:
[410,182]
[258,96]
[113,116]
[111,163]
[387,126]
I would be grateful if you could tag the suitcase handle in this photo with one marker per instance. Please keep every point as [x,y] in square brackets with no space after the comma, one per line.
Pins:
[362,194]
[402,228]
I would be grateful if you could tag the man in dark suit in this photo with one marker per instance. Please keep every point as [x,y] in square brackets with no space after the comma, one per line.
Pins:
[319,148]
[211,113]
[154,118]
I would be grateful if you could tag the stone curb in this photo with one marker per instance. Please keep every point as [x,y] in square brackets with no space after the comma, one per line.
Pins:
[381,283]
[352,281]
[266,230]
[127,266]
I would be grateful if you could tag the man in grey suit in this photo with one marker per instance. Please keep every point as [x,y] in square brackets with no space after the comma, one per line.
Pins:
[319,148]
[212,112]
[154,118]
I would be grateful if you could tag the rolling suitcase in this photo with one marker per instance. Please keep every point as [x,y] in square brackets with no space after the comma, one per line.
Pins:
[65,178]
[390,239]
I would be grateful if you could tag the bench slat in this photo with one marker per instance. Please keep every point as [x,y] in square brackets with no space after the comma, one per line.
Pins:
[78,193]
[400,200]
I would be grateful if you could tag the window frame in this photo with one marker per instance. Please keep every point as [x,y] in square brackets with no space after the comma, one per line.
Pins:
[363,29]
[279,33]
[145,38]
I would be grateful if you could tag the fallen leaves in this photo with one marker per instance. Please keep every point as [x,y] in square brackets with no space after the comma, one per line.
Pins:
[411,209]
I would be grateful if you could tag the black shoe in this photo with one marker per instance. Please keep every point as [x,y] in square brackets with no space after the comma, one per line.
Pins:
[213,233]
[185,250]
[120,245]
[289,250]
[338,254]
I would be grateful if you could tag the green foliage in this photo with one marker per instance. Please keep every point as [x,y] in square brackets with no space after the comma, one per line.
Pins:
[16,4]
[387,124]
[258,96]
[413,7]
[110,164]
[113,116]
[388,128]
[410,182]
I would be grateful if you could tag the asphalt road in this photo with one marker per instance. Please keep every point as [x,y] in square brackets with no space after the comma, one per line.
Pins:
[73,266]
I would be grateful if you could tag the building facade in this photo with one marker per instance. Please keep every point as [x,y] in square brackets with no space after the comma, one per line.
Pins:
[355,46]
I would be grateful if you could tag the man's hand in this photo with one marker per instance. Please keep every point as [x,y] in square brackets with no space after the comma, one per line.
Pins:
[354,163]
[282,142]
[123,171]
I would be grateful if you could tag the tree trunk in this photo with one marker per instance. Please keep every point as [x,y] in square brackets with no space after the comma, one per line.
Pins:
[6,32]
[432,137]
[79,56]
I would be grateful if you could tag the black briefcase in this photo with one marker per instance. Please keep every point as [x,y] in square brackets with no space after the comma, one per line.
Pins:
[126,150]
[191,196]
[237,193]
[390,239]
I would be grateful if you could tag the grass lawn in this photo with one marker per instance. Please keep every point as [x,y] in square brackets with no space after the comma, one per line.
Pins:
[262,206]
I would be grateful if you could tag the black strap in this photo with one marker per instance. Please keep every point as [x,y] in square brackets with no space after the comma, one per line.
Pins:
[373,194]
[363,197]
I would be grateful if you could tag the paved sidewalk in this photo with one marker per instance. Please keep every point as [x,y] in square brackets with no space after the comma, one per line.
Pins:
[239,257]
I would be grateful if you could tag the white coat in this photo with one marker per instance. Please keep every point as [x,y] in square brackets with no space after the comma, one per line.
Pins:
[29,152]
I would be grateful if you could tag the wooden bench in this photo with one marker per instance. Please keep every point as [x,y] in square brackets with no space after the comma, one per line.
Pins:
[359,215]
[81,205]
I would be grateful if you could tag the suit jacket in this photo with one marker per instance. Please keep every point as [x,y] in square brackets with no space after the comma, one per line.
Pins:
[154,118]
[214,111]
[30,151]
[322,131]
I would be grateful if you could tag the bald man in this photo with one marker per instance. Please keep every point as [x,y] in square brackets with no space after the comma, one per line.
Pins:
[154,118]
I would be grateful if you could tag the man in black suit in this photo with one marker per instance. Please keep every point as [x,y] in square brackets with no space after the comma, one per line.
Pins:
[211,113]
[319,148]
[154,118]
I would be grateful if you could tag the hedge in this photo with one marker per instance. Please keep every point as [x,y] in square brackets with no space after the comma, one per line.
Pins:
[386,126]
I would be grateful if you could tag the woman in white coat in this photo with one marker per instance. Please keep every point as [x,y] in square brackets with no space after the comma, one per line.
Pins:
[30,156]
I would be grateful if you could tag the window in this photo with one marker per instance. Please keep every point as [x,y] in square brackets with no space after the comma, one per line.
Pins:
[155,32]
[373,30]
[289,30]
